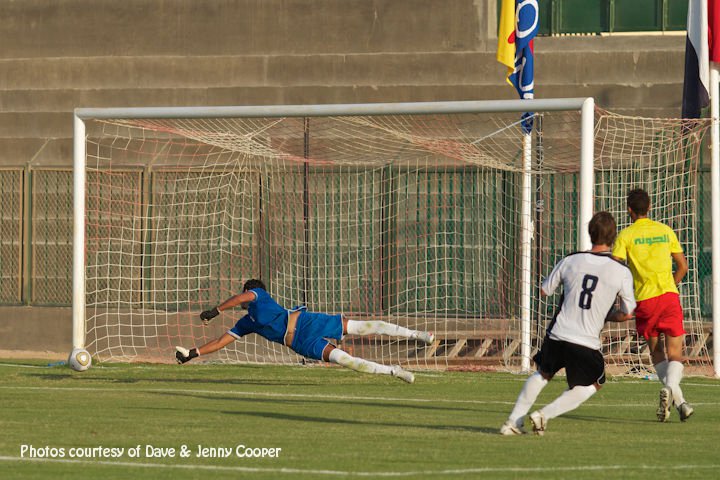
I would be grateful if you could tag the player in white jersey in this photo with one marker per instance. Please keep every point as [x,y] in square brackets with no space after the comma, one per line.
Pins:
[592,282]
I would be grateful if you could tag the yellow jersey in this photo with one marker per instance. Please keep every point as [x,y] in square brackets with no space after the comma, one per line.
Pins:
[647,246]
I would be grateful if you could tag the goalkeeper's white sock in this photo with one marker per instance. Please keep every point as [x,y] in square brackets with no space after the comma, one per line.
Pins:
[358,327]
[674,376]
[661,370]
[569,400]
[358,364]
[529,393]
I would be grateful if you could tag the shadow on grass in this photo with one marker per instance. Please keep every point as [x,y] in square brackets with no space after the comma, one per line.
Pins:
[187,380]
[51,376]
[604,419]
[286,417]
[305,400]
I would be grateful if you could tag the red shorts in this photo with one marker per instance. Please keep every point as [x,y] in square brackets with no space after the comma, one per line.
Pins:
[662,314]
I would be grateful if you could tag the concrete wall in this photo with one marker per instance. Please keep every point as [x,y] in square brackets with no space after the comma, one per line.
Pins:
[38,329]
[87,28]
[61,54]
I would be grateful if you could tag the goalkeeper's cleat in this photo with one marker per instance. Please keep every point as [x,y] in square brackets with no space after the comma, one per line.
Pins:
[403,374]
[427,337]
[538,422]
[663,410]
[510,428]
[685,410]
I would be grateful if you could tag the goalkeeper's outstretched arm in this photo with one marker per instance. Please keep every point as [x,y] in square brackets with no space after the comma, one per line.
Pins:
[217,344]
[183,355]
[234,301]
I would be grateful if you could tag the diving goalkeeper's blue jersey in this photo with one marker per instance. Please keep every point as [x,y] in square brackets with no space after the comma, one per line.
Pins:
[265,317]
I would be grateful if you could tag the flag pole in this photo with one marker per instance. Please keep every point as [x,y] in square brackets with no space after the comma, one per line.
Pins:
[517,26]
[715,201]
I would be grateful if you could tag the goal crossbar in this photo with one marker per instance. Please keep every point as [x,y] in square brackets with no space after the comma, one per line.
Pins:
[403,108]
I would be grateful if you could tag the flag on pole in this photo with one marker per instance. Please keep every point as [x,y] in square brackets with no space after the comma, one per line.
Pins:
[714,30]
[517,28]
[697,57]
[506,37]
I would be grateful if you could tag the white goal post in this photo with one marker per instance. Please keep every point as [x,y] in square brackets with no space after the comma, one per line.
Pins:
[375,166]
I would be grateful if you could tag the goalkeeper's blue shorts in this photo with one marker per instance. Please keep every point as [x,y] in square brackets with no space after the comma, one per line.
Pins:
[311,333]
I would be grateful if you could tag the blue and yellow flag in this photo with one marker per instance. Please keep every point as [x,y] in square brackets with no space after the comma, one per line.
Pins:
[506,36]
[518,27]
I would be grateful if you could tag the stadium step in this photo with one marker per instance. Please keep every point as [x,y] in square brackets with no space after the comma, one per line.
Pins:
[287,70]
[415,68]
[52,117]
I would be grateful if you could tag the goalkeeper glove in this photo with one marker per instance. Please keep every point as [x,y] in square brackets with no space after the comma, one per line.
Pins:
[183,355]
[208,315]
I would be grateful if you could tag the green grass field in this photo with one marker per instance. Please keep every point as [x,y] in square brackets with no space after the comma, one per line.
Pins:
[333,423]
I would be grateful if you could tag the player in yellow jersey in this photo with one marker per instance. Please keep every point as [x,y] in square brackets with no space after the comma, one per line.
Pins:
[649,247]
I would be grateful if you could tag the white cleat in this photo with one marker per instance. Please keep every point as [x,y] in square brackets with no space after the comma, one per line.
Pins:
[663,411]
[403,375]
[538,422]
[685,410]
[510,428]
[427,337]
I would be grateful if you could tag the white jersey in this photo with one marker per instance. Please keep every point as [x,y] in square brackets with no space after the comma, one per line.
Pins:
[591,283]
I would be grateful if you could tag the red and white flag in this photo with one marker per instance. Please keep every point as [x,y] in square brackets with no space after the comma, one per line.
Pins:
[701,47]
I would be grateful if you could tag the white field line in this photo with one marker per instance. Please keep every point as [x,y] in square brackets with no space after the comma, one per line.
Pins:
[516,377]
[284,395]
[346,473]
[20,365]
[682,384]
[63,364]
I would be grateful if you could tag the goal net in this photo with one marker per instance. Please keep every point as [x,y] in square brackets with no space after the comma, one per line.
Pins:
[663,157]
[415,219]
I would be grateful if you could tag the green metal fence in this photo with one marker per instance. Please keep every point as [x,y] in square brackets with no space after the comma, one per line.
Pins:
[704,236]
[441,198]
[51,237]
[559,17]
[11,199]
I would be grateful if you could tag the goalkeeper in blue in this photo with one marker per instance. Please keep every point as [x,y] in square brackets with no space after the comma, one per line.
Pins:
[592,282]
[306,333]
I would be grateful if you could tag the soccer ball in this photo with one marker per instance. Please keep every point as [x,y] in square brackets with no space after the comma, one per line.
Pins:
[80,360]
